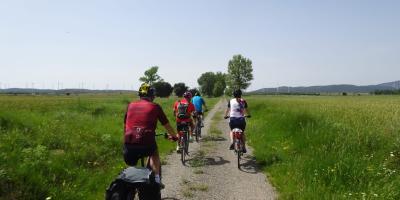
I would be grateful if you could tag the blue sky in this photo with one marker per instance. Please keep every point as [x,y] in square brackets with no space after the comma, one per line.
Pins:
[101,44]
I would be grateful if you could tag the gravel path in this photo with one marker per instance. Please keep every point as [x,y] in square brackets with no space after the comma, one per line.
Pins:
[211,171]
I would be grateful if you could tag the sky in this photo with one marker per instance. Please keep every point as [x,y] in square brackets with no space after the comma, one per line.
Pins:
[109,44]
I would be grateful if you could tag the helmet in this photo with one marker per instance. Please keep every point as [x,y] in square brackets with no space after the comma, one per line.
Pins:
[146,90]
[187,95]
[237,93]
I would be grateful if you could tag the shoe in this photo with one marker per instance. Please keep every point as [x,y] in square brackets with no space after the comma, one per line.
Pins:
[178,149]
[231,147]
[244,150]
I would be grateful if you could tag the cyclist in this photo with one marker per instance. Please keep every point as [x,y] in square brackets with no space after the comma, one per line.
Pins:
[183,110]
[198,103]
[140,124]
[236,112]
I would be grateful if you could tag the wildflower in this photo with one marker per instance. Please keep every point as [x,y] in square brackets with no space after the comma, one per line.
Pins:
[391,154]
[48,198]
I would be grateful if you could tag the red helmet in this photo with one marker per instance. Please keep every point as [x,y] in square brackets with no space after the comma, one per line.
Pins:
[187,95]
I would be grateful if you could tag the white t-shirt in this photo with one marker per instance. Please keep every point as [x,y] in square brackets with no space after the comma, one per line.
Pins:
[237,107]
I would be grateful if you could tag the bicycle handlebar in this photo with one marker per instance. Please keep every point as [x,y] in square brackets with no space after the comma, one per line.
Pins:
[246,116]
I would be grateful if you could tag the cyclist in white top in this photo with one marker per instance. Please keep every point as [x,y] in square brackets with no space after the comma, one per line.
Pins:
[236,112]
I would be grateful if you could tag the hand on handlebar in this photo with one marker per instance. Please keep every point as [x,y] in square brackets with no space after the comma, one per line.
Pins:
[172,137]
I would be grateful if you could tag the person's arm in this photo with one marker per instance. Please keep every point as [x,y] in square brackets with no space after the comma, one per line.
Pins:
[246,109]
[228,109]
[170,130]
[174,109]
[204,104]
[164,121]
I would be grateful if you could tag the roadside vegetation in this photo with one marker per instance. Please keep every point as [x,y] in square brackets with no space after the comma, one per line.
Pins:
[328,147]
[65,147]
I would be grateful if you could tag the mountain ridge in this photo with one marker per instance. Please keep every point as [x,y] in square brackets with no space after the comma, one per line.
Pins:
[336,88]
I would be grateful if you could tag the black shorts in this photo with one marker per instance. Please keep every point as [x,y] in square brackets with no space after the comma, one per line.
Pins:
[183,126]
[237,123]
[132,153]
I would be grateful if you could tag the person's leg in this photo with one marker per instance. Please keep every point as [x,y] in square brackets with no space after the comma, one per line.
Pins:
[155,163]
[178,129]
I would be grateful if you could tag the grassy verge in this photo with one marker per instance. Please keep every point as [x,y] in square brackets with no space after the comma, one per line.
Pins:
[328,147]
[64,147]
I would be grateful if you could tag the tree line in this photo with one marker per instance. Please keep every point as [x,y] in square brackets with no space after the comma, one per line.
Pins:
[211,84]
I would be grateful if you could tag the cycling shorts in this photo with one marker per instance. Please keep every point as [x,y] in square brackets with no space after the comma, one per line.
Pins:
[182,126]
[237,123]
[132,153]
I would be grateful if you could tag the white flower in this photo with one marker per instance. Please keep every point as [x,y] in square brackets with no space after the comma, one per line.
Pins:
[48,198]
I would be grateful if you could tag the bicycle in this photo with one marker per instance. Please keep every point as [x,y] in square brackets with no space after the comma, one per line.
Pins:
[184,141]
[238,142]
[197,130]
[135,180]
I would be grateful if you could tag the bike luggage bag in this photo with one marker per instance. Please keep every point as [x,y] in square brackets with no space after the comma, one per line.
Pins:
[129,178]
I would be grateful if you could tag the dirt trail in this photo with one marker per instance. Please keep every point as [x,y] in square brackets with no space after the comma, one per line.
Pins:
[211,170]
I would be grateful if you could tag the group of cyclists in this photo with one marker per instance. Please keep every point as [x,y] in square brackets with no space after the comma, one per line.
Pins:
[142,116]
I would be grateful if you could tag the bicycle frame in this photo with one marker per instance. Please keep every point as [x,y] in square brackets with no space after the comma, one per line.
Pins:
[238,144]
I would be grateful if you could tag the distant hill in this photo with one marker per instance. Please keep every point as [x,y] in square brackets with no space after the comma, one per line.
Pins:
[330,89]
[63,91]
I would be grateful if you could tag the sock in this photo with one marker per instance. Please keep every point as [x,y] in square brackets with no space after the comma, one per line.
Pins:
[157,178]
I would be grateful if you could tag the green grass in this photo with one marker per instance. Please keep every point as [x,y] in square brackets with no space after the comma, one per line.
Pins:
[65,147]
[328,147]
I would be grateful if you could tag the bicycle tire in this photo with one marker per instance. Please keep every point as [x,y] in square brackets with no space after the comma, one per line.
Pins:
[182,148]
[239,152]
[197,131]
[187,143]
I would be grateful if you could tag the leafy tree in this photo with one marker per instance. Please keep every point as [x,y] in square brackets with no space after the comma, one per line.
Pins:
[219,88]
[151,76]
[206,82]
[163,89]
[180,88]
[240,72]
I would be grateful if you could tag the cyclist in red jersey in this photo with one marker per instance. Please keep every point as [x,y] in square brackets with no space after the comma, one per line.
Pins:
[183,110]
[140,124]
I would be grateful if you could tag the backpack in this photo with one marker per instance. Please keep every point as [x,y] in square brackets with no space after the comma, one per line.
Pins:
[182,110]
[131,178]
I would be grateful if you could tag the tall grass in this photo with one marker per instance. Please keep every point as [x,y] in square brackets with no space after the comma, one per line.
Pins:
[328,147]
[64,147]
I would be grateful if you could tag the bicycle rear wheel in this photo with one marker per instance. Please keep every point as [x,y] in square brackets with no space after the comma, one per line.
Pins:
[187,143]
[198,130]
[182,147]
[239,153]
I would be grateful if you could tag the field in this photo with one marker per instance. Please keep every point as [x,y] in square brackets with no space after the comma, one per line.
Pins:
[64,147]
[328,147]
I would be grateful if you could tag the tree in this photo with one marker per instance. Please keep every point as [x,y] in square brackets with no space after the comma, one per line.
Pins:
[179,89]
[163,89]
[151,76]
[240,72]
[206,82]
[219,88]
